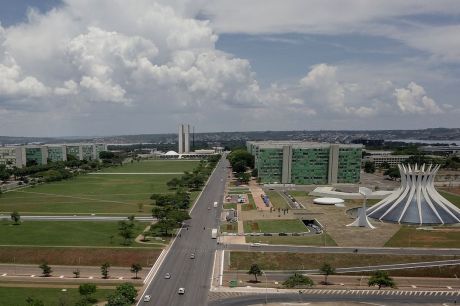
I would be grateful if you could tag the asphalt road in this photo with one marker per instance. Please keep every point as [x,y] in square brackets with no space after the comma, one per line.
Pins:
[260,299]
[192,274]
[350,250]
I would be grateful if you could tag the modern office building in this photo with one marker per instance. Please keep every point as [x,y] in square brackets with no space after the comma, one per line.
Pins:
[184,139]
[304,163]
[20,156]
[392,160]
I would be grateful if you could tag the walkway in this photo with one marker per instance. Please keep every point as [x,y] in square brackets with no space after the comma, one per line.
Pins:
[256,192]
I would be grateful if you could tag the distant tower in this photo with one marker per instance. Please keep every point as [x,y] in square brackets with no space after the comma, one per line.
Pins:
[187,138]
[184,139]
[181,139]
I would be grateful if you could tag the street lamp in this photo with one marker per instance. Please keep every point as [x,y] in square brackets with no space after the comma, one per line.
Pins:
[266,287]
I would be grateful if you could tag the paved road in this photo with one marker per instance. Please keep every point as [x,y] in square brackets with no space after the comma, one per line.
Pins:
[350,250]
[192,274]
[375,297]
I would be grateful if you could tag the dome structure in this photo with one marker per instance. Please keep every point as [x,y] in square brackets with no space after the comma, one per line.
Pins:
[416,201]
[328,201]
[171,153]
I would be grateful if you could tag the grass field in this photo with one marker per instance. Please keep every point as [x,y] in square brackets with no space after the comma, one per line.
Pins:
[250,205]
[154,166]
[454,199]
[294,240]
[277,200]
[16,296]
[230,206]
[100,194]
[72,256]
[274,226]
[298,193]
[229,227]
[304,261]
[441,237]
[64,233]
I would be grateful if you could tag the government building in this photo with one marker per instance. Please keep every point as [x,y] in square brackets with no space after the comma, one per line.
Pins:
[306,163]
[20,156]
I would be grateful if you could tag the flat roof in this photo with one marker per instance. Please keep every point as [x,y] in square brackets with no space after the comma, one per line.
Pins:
[299,144]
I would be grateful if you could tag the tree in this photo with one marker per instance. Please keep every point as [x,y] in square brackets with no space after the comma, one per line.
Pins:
[239,166]
[15,217]
[326,269]
[117,300]
[76,272]
[86,290]
[385,165]
[34,302]
[128,291]
[298,280]
[381,279]
[369,167]
[255,270]
[105,270]
[46,269]
[126,231]
[135,268]
[393,173]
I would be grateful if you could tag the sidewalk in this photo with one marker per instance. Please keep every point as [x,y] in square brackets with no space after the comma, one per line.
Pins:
[256,192]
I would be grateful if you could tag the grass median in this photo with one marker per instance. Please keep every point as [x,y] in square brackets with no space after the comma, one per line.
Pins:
[16,296]
[308,261]
[436,237]
[274,226]
[321,240]
[277,200]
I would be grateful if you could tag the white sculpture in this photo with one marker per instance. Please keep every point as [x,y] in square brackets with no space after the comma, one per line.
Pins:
[362,220]
[416,201]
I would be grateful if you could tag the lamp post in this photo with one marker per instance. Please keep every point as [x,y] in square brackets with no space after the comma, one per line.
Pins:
[266,287]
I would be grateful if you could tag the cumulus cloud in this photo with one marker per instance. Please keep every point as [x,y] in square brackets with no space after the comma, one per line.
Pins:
[413,100]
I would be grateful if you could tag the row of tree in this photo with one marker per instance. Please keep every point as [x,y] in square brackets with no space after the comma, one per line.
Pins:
[105,270]
[242,162]
[378,278]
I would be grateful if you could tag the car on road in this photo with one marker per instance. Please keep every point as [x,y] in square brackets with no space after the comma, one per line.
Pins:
[167,276]
[192,256]
[147,298]
[181,291]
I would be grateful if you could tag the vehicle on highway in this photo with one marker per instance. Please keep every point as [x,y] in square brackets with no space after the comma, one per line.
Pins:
[167,276]
[209,207]
[215,204]
[181,291]
[192,256]
[255,244]
[214,233]
[147,298]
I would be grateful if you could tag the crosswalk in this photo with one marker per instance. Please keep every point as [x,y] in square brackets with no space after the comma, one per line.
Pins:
[216,295]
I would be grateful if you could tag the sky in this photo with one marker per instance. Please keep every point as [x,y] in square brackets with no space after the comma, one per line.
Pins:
[109,67]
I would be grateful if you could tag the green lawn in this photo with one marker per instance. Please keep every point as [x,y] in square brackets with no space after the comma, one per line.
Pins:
[303,261]
[230,206]
[16,296]
[409,236]
[250,205]
[295,240]
[298,193]
[277,200]
[101,194]
[62,233]
[229,227]
[274,226]
[154,166]
[454,199]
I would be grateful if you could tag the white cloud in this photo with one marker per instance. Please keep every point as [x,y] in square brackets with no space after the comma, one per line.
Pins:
[413,100]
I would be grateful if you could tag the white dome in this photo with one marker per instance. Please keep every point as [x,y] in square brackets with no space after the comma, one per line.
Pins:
[171,153]
[328,201]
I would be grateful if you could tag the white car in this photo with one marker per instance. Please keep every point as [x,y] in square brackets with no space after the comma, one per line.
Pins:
[147,298]
[181,291]
[192,256]
[167,276]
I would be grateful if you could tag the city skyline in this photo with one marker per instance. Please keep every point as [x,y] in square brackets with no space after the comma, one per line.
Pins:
[116,68]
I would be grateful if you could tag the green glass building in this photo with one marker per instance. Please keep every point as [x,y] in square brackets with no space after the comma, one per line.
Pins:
[306,163]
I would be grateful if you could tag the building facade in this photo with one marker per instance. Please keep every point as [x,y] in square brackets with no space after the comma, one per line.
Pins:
[305,163]
[392,160]
[20,156]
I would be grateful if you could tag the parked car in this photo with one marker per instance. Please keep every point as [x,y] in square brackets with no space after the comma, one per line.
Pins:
[181,291]
[147,298]
[167,276]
